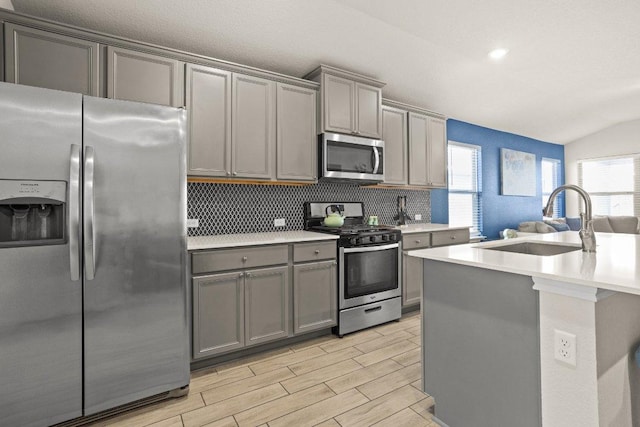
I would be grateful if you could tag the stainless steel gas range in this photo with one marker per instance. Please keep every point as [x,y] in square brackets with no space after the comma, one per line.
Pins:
[369,272]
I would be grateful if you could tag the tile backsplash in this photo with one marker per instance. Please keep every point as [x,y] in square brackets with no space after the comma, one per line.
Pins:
[239,208]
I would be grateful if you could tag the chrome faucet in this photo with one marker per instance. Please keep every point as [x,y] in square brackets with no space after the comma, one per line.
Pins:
[587,235]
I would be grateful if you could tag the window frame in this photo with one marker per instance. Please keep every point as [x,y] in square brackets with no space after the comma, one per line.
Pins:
[557,179]
[635,193]
[476,229]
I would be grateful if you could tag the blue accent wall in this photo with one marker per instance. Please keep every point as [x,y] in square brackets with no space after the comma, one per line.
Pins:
[499,212]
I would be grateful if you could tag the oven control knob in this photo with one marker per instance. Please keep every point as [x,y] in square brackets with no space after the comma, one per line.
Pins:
[385,237]
[363,240]
[353,241]
[392,238]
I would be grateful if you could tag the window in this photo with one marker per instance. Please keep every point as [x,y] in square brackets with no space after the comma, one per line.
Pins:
[613,184]
[465,189]
[551,181]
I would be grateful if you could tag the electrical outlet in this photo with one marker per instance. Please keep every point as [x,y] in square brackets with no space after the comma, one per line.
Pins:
[193,223]
[418,217]
[279,222]
[564,348]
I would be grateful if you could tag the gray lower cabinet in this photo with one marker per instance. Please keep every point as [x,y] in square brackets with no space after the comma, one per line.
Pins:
[253,123]
[144,77]
[315,296]
[412,280]
[296,133]
[394,135]
[266,299]
[218,314]
[239,309]
[208,100]
[412,267]
[49,60]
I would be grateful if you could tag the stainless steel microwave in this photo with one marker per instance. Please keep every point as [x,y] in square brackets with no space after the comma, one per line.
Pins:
[345,157]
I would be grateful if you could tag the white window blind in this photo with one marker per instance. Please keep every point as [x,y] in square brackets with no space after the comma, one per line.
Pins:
[612,183]
[550,181]
[465,187]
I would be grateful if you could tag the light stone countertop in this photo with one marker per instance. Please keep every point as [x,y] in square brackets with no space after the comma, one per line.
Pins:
[195,243]
[615,266]
[425,228]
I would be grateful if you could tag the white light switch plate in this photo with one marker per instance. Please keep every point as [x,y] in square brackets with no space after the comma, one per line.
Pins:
[279,222]
[418,217]
[193,223]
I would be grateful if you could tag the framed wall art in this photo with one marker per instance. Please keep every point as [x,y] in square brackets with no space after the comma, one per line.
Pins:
[518,173]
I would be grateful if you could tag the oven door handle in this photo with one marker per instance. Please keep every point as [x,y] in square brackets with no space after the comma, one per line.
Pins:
[371,248]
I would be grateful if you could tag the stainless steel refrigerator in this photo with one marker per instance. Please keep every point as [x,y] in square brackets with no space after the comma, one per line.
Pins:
[93,305]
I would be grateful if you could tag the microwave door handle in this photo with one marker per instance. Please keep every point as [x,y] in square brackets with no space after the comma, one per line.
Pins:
[89,226]
[376,156]
[74,212]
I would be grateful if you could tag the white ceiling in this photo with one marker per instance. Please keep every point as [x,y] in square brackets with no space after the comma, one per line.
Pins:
[573,66]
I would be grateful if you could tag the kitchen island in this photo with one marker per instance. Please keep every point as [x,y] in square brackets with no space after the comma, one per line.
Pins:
[495,323]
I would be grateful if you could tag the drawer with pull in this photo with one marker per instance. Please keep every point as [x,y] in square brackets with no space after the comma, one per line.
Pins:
[314,251]
[235,259]
[416,241]
[449,237]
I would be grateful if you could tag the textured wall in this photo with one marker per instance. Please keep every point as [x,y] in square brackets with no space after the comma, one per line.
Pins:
[498,211]
[234,208]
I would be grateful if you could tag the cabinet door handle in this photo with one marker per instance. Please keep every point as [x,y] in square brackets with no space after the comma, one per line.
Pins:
[228,173]
[317,251]
[241,275]
[248,275]
[244,259]
[235,173]
[453,237]
[418,241]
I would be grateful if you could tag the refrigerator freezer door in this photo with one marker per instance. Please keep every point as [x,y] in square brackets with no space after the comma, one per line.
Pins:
[40,306]
[136,330]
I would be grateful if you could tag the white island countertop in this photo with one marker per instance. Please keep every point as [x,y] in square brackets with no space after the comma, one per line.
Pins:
[425,228]
[221,241]
[615,266]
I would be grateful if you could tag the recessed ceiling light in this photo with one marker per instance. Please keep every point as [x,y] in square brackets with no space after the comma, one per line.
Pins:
[498,53]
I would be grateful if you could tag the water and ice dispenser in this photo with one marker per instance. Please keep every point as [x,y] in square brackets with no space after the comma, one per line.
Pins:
[32,213]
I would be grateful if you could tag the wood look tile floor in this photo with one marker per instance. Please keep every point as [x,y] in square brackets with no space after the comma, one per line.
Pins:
[368,378]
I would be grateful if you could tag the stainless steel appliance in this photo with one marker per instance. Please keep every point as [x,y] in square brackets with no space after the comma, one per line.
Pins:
[369,270]
[93,306]
[344,157]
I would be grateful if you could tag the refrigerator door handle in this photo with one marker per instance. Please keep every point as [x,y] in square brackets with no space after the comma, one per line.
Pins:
[74,212]
[89,226]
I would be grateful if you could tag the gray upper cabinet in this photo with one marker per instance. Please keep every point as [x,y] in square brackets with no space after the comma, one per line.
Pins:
[53,61]
[266,304]
[253,123]
[350,103]
[368,111]
[296,133]
[437,152]
[143,77]
[315,296]
[218,314]
[208,99]
[394,135]
[418,140]
[339,104]
[427,151]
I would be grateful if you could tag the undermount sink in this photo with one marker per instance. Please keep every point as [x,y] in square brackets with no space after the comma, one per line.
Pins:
[535,248]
